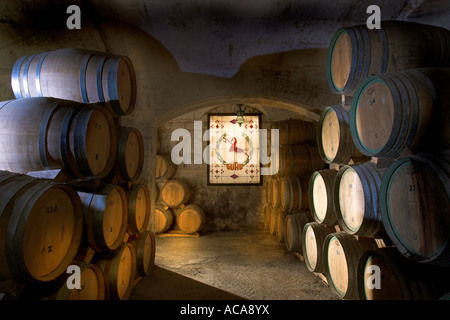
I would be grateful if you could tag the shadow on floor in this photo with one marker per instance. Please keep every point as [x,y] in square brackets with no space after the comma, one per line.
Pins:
[163,284]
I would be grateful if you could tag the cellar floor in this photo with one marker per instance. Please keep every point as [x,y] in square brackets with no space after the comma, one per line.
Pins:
[229,265]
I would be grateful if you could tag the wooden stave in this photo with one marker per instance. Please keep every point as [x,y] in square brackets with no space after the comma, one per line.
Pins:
[287,132]
[273,221]
[31,190]
[296,197]
[419,118]
[292,158]
[372,224]
[123,134]
[355,249]
[366,62]
[132,195]
[201,214]
[321,232]
[440,167]
[94,215]
[328,176]
[275,193]
[169,215]
[346,150]
[81,63]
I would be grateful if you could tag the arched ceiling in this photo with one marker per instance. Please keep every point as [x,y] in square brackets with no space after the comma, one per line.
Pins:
[217,36]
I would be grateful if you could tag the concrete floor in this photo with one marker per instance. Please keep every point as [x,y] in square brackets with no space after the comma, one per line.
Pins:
[226,266]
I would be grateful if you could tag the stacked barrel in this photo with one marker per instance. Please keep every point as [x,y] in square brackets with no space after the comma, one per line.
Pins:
[287,206]
[65,124]
[383,206]
[175,212]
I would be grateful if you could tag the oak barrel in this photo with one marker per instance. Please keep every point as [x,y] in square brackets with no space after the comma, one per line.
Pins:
[294,193]
[313,237]
[404,111]
[165,168]
[268,190]
[130,154]
[300,160]
[163,219]
[356,52]
[79,75]
[398,277]
[295,131]
[293,229]
[46,133]
[138,199]
[191,219]
[41,224]
[144,245]
[341,254]
[356,199]
[92,286]
[320,193]
[106,217]
[334,139]
[415,207]
[120,272]
[266,211]
[175,193]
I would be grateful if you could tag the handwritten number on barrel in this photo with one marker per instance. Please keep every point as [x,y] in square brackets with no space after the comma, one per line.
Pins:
[412,188]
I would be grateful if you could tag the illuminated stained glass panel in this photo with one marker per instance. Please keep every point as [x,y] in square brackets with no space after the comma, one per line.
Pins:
[234,150]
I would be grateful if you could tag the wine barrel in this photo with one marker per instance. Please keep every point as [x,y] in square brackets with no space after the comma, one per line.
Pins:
[294,193]
[106,216]
[356,199]
[45,133]
[293,229]
[357,52]
[92,286]
[175,193]
[163,219]
[402,111]
[334,139]
[320,193]
[313,237]
[191,219]
[398,277]
[415,207]
[295,131]
[341,254]
[41,224]
[138,199]
[130,154]
[119,271]
[79,75]
[165,168]
[299,160]
[276,201]
[144,245]
[280,230]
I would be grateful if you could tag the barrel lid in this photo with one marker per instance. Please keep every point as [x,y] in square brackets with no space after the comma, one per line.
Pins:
[330,133]
[372,116]
[415,208]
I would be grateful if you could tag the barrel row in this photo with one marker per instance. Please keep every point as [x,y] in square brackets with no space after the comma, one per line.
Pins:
[48,224]
[39,134]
